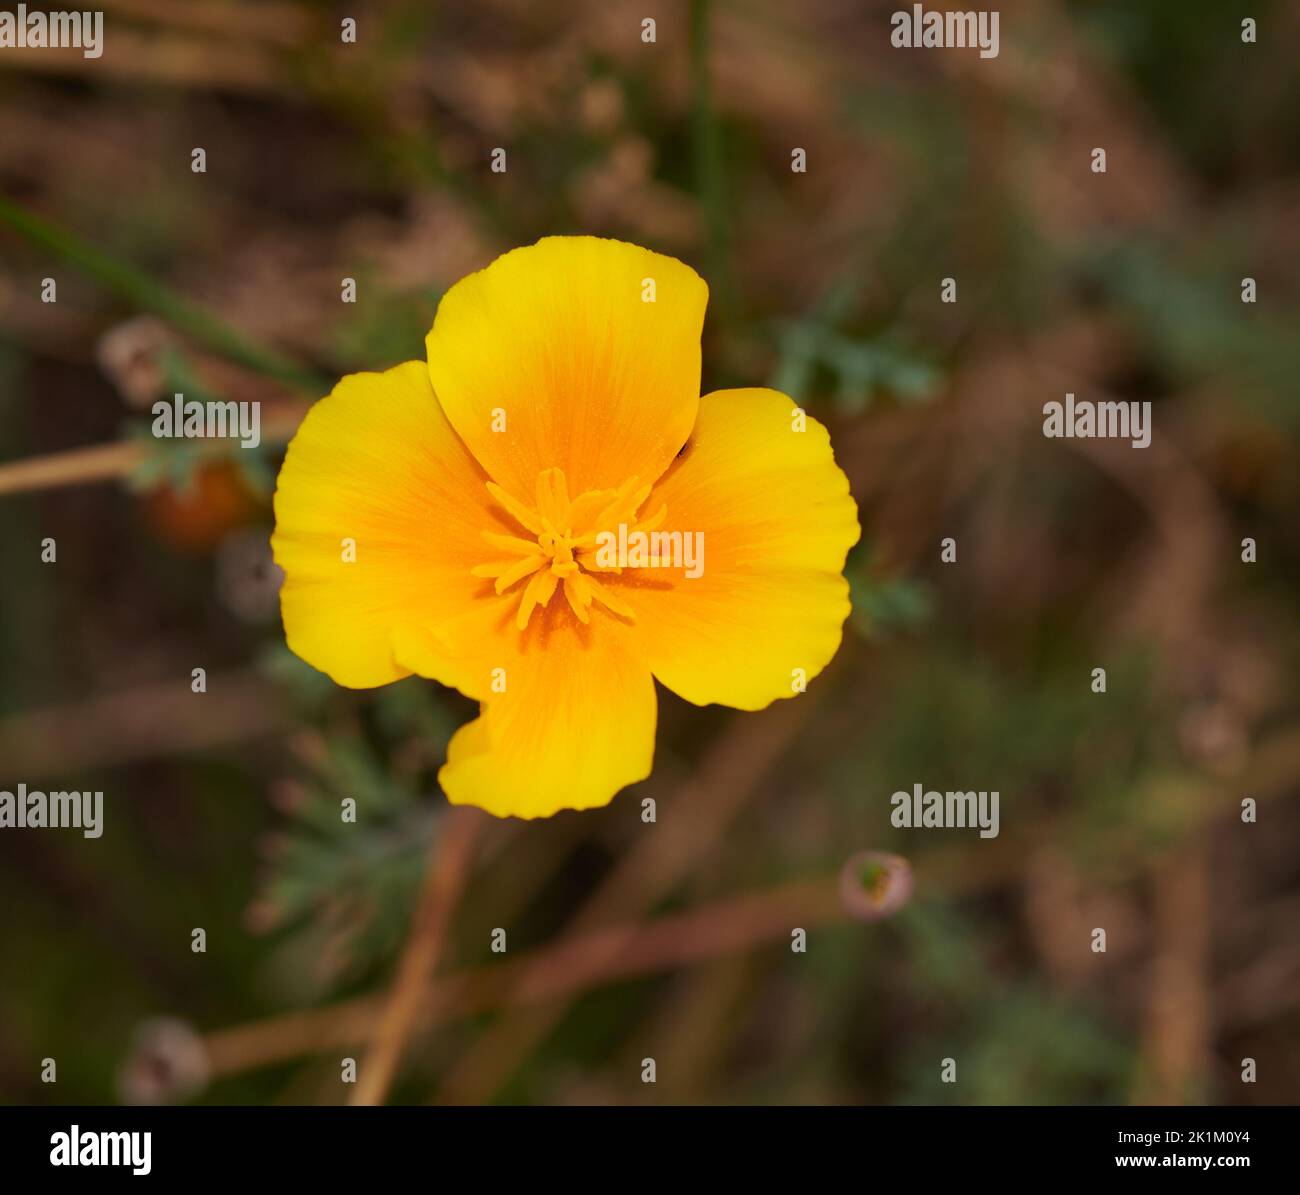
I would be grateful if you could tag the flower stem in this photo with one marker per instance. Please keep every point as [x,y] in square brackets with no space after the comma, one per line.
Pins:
[707,152]
[146,292]
[444,879]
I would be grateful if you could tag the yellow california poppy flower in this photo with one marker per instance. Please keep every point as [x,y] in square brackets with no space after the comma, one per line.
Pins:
[476,520]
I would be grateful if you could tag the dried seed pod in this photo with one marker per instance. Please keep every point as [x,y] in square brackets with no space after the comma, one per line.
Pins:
[166,1063]
[874,884]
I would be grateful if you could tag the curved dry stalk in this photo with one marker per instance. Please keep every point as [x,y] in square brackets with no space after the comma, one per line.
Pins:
[103,462]
[568,967]
[110,462]
[443,881]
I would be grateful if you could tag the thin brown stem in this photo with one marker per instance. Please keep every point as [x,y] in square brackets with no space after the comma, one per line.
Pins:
[568,967]
[118,459]
[103,462]
[443,881]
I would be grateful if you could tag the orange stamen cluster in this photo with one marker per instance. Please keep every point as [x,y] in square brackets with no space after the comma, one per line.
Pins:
[563,550]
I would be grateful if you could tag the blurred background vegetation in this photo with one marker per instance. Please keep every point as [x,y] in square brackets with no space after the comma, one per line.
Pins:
[372,161]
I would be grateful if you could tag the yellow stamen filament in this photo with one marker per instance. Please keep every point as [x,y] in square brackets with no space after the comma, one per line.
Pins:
[562,551]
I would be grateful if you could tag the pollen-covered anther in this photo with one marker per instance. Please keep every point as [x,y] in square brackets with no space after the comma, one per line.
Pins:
[563,549]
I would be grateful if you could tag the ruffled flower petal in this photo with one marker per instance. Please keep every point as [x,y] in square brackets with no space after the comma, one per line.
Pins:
[777,520]
[379,512]
[577,353]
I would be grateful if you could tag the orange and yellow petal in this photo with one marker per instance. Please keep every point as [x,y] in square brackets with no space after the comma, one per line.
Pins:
[576,352]
[379,514]
[767,612]
[570,722]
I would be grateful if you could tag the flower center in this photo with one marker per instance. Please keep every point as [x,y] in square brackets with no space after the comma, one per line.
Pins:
[562,550]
